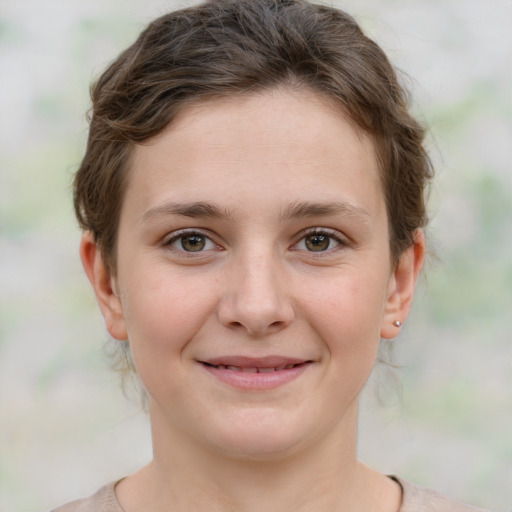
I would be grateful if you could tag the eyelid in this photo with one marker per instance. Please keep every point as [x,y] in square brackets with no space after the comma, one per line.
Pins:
[341,240]
[172,237]
[334,234]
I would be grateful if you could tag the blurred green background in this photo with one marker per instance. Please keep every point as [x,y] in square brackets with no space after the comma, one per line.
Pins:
[65,428]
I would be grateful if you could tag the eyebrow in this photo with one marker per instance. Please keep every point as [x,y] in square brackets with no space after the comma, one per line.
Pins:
[297,210]
[198,209]
[303,209]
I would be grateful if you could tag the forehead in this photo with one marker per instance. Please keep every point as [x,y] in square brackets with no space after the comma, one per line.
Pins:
[291,141]
[266,113]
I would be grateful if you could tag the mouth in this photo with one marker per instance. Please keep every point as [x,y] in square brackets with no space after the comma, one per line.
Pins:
[256,373]
[255,369]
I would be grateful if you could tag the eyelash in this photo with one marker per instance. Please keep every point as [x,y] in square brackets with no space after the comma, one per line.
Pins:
[328,233]
[189,233]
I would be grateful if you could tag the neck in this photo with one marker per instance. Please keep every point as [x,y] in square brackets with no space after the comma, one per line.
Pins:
[323,476]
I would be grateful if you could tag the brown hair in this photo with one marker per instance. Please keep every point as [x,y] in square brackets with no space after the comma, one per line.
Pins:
[226,47]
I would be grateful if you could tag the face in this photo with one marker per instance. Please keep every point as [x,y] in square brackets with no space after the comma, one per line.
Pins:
[254,277]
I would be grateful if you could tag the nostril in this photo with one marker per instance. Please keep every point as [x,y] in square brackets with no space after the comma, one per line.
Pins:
[239,326]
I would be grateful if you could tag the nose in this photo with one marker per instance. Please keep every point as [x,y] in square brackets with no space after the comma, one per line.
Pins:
[256,297]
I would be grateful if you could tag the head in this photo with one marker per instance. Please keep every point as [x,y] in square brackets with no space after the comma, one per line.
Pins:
[226,49]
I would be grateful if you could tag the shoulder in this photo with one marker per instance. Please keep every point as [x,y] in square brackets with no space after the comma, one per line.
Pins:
[104,500]
[421,499]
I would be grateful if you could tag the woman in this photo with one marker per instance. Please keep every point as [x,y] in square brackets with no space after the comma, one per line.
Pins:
[252,199]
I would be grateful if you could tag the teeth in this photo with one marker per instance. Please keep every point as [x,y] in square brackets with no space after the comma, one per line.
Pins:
[255,369]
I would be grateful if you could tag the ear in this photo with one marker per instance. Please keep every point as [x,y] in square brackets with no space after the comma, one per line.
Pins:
[104,286]
[401,286]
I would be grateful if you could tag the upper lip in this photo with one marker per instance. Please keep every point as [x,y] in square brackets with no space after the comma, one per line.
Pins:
[254,362]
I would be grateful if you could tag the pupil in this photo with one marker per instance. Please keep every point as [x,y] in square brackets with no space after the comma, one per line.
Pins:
[317,242]
[193,243]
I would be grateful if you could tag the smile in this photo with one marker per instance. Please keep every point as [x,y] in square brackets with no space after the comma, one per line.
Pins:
[255,369]
[256,374]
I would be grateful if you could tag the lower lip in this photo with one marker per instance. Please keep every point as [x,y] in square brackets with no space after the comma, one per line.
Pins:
[257,381]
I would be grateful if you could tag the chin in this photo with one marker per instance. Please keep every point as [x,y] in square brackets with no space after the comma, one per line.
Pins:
[258,437]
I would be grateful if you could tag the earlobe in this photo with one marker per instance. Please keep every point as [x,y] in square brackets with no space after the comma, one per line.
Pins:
[401,287]
[104,287]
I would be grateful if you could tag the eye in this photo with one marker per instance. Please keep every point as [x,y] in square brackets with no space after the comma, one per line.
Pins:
[318,241]
[190,242]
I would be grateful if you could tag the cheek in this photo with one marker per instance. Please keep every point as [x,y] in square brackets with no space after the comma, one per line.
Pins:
[163,313]
[346,313]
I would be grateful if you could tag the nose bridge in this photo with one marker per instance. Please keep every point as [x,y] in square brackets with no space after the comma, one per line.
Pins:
[257,298]
[259,286]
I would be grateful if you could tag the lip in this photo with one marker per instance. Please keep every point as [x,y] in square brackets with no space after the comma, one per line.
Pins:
[258,373]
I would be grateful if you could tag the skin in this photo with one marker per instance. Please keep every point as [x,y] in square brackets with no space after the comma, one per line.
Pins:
[249,179]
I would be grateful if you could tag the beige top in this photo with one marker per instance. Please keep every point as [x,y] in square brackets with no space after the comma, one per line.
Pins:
[415,499]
